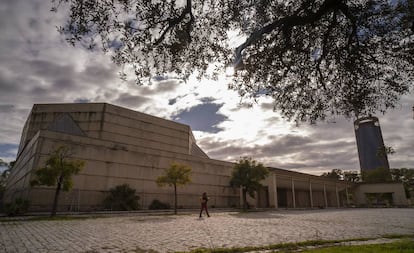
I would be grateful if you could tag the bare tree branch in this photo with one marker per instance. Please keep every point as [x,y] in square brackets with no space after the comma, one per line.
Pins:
[172,22]
[286,24]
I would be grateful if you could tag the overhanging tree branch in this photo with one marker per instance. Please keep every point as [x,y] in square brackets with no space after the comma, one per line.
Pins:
[286,24]
[172,22]
[353,57]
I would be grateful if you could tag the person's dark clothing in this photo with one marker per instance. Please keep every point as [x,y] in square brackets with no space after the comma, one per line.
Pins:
[204,200]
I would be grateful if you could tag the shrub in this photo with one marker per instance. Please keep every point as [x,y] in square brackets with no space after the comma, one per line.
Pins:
[156,204]
[122,198]
[18,207]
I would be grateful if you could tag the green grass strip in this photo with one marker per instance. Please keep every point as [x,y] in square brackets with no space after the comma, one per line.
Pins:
[288,247]
[400,246]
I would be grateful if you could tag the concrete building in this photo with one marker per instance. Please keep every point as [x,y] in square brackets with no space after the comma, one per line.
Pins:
[121,146]
[290,189]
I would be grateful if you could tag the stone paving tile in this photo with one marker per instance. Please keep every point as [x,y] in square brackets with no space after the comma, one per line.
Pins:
[187,232]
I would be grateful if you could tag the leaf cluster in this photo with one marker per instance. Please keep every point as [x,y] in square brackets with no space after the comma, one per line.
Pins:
[378,175]
[177,174]
[18,206]
[247,174]
[334,174]
[122,197]
[158,205]
[5,174]
[58,169]
[406,177]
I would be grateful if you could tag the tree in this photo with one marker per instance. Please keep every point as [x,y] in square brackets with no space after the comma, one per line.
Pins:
[384,151]
[334,174]
[58,171]
[3,163]
[379,175]
[3,178]
[176,175]
[405,176]
[247,174]
[315,58]
[4,175]
[352,176]
[122,197]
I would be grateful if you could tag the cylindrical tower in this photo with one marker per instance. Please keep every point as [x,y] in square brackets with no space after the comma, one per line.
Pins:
[370,144]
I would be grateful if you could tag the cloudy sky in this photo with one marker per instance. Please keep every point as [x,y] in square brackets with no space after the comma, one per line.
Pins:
[37,66]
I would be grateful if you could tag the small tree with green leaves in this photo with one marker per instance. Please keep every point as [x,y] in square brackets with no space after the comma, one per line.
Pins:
[176,175]
[247,174]
[58,171]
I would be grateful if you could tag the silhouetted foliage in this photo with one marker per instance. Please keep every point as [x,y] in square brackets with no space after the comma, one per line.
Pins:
[352,176]
[176,175]
[18,207]
[3,176]
[405,176]
[334,174]
[247,174]
[156,205]
[122,198]
[379,175]
[316,58]
[58,171]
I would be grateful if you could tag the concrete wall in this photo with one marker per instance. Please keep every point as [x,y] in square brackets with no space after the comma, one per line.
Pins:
[106,166]
[119,146]
[113,123]
[396,189]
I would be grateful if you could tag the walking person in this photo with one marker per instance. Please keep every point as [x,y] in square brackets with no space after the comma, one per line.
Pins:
[203,201]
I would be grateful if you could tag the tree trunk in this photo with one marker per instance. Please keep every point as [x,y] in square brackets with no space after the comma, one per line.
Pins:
[55,201]
[244,199]
[175,199]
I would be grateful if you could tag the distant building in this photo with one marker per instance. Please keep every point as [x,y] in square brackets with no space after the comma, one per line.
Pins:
[122,146]
[370,144]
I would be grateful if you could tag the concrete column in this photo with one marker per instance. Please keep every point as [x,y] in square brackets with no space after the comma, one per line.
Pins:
[337,196]
[310,194]
[79,196]
[293,194]
[347,197]
[241,197]
[324,195]
[275,190]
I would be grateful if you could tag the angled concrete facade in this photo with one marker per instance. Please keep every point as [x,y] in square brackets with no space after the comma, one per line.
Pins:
[121,146]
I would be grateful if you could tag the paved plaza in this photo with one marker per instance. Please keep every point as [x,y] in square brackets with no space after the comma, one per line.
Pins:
[169,233]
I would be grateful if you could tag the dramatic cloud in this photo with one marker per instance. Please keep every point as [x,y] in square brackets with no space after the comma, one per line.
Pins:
[202,117]
[130,101]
